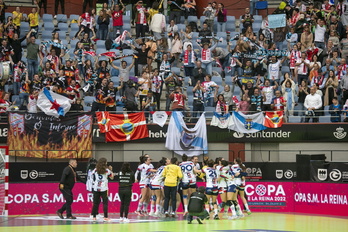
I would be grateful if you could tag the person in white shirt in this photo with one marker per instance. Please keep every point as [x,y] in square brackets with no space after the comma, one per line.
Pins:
[312,103]
[158,25]
[319,34]
[274,69]
[100,177]
[302,68]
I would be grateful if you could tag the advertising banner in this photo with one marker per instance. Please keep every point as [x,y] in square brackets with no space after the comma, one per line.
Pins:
[65,137]
[298,197]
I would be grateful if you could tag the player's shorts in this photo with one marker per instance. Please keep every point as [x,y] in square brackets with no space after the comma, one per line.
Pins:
[187,185]
[232,188]
[155,187]
[212,191]
[143,186]
[222,190]
[241,187]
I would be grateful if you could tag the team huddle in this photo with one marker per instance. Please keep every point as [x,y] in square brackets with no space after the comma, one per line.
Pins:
[163,187]
[171,181]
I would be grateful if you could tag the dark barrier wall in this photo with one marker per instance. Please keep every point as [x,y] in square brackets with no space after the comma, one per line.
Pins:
[51,172]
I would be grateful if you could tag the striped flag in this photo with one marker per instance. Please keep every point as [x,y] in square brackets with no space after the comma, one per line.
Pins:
[247,123]
[53,104]
[274,119]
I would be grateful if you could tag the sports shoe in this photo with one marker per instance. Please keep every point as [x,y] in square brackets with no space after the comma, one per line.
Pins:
[248,212]
[106,220]
[60,215]
[173,214]
[199,220]
[94,219]
[71,217]
[216,217]
[121,219]
[152,214]
[208,217]
[189,222]
[233,217]
[138,213]
[167,214]
[241,215]
[157,214]
[185,213]
[126,220]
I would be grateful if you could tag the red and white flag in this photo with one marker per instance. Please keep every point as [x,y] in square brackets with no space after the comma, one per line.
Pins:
[108,54]
[274,119]
[90,53]
[122,127]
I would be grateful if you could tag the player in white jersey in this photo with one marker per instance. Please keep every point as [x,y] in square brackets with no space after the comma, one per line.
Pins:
[145,170]
[100,177]
[89,182]
[156,186]
[211,186]
[223,168]
[241,186]
[188,181]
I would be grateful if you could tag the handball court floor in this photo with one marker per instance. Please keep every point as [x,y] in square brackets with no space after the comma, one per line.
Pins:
[256,222]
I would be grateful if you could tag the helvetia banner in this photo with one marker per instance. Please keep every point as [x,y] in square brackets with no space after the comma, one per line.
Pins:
[31,135]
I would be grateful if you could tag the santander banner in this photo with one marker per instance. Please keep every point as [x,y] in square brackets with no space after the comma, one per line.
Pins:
[298,197]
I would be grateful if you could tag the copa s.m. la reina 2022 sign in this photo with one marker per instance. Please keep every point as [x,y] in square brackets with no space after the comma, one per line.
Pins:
[298,197]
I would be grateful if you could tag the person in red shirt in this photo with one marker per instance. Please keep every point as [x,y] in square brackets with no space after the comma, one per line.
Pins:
[140,19]
[117,19]
[178,99]
[278,102]
[73,90]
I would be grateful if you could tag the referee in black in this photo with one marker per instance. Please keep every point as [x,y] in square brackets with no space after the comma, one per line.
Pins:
[126,178]
[66,185]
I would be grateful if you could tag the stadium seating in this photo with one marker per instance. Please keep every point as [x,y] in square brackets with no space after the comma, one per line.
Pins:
[47,18]
[62,18]
[49,26]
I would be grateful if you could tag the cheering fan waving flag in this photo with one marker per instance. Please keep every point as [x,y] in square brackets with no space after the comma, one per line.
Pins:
[53,104]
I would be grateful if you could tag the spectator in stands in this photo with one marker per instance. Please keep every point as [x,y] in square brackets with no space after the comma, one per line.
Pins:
[221,105]
[205,33]
[335,110]
[190,8]
[243,105]
[33,55]
[148,104]
[278,102]
[140,19]
[157,85]
[33,18]
[188,57]
[151,45]
[86,40]
[178,99]
[327,67]
[10,27]
[73,90]
[158,25]
[319,33]
[56,4]
[103,22]
[172,81]
[100,96]
[111,91]
[300,6]
[221,14]
[130,95]
[145,84]
[172,28]
[198,73]
[124,70]
[32,101]
[86,22]
[306,39]
[57,44]
[294,17]
[117,19]
[300,24]
[77,106]
[187,36]
[338,26]
[102,70]
[302,68]
[165,66]
[177,48]
[15,43]
[3,7]
[210,88]
[247,18]
[303,91]
[17,17]
[267,91]
[274,69]
[209,13]
[142,57]
[198,99]
[206,56]
[331,86]
[256,101]
[222,56]
[175,10]
[312,104]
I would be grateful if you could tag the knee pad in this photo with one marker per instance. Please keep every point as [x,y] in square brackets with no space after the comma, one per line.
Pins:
[154,198]
[229,203]
[184,196]
[235,203]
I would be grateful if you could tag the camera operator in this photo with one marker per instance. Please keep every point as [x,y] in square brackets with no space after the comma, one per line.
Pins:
[247,19]
[172,81]
[130,94]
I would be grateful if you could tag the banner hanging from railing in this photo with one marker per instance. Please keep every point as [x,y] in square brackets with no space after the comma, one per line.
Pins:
[31,134]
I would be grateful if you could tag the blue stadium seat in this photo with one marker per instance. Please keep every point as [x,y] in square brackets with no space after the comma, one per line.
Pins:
[209,111]
[294,119]
[202,19]
[100,44]
[192,18]
[63,27]
[24,27]
[176,70]
[195,35]
[221,34]
[16,101]
[127,51]
[47,18]
[46,35]
[73,17]
[88,100]
[127,19]
[257,18]
[231,19]
[324,119]
[62,35]
[73,43]
[181,27]
[127,26]
[115,79]
[49,26]
[285,69]
[62,18]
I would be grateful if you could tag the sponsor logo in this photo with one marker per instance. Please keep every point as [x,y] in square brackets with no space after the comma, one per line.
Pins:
[24,174]
[254,173]
[238,135]
[344,176]
[33,174]
[279,174]
[339,133]
[322,174]
[335,175]
[260,190]
[288,174]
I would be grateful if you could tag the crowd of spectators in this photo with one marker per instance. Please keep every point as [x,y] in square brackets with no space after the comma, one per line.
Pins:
[298,69]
